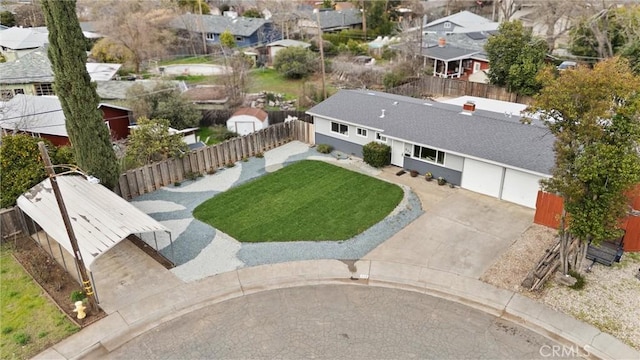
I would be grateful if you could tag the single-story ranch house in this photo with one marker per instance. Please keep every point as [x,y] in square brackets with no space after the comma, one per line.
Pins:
[483,151]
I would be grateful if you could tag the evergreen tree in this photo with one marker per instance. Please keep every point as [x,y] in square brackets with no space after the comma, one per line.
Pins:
[85,126]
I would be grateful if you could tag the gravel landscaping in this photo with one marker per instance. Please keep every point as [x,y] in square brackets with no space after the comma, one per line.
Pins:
[200,250]
[609,301]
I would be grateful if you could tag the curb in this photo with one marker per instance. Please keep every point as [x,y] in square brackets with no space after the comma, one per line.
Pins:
[120,327]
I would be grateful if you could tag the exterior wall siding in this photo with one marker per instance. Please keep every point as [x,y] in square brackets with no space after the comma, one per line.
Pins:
[452,176]
[345,146]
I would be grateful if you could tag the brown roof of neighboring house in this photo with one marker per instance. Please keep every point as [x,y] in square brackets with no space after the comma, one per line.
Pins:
[207,93]
[255,112]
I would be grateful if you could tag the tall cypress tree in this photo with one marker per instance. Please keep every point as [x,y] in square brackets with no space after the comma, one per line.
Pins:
[85,126]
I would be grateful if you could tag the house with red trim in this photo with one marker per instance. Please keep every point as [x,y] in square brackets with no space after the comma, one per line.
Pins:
[42,117]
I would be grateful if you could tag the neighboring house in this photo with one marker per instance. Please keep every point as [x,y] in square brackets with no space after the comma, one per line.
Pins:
[32,74]
[42,116]
[247,120]
[462,22]
[330,21]
[276,46]
[455,62]
[247,31]
[482,151]
[16,41]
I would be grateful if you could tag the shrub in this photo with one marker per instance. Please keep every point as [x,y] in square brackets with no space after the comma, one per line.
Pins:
[579,285]
[428,176]
[442,181]
[413,173]
[245,159]
[229,135]
[324,148]
[22,338]
[7,330]
[377,154]
[177,183]
[211,171]
[259,155]
[230,164]
[78,295]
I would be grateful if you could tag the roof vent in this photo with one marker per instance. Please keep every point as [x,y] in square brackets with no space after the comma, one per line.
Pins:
[469,106]
[382,115]
[395,103]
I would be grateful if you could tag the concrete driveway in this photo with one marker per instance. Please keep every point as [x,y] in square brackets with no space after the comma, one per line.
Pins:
[460,232]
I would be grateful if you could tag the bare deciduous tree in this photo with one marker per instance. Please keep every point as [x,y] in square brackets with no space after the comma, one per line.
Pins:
[140,26]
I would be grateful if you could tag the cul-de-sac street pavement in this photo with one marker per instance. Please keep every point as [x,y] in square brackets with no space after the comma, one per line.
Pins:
[337,321]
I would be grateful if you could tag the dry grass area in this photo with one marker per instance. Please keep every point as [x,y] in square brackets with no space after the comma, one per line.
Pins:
[609,300]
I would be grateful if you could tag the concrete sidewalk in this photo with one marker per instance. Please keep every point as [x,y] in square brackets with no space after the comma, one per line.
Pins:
[125,324]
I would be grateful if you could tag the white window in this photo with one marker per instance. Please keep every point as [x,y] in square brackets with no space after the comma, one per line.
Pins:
[341,129]
[44,89]
[6,94]
[476,66]
[211,36]
[361,132]
[447,25]
[381,137]
[428,154]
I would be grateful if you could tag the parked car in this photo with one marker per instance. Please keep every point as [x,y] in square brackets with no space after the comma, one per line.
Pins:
[565,65]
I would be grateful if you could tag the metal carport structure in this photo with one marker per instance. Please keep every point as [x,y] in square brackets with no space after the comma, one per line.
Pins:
[99,217]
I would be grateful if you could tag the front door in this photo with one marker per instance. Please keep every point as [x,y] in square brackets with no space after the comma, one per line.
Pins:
[397,153]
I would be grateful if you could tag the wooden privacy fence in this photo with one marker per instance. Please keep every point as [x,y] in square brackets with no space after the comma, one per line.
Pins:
[151,177]
[10,223]
[549,210]
[432,86]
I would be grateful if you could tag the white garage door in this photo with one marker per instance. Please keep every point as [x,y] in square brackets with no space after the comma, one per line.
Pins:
[520,188]
[482,177]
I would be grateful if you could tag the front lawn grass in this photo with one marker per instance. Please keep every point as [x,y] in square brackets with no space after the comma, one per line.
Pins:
[30,322]
[308,200]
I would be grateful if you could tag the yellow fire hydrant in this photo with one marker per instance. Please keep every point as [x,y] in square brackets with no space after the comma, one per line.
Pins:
[80,309]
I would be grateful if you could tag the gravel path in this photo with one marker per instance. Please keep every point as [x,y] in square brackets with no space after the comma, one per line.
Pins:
[200,250]
[609,301]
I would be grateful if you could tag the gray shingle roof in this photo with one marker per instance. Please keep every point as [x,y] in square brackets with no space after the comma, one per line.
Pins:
[33,67]
[218,24]
[466,20]
[448,53]
[485,135]
[18,38]
[335,19]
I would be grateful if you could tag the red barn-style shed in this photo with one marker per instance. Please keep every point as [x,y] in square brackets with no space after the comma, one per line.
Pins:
[42,116]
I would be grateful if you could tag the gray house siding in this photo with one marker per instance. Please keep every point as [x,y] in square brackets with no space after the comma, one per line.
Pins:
[452,176]
[340,145]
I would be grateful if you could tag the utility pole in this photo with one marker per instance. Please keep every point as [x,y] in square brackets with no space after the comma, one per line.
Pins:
[324,89]
[204,38]
[364,20]
[86,282]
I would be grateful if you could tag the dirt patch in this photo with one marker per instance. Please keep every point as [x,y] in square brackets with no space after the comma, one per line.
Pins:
[609,300]
[52,278]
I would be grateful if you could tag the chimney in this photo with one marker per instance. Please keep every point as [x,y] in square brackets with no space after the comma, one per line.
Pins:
[442,42]
[469,106]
